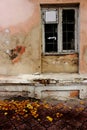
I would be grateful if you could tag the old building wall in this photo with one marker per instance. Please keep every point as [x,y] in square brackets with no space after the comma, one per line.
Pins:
[83,38]
[61,63]
[81,66]
[21,39]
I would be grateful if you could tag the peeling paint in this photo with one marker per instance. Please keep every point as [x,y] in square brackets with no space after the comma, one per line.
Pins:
[24,63]
[16,53]
[65,63]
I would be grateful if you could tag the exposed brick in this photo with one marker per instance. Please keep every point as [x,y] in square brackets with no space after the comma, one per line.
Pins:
[16,59]
[74,94]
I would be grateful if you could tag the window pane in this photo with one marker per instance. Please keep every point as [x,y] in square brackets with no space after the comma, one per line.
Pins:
[68,15]
[68,28]
[51,16]
[50,37]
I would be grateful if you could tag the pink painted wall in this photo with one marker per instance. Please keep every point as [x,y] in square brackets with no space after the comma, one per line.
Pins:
[18,15]
[83,38]
[13,12]
[19,27]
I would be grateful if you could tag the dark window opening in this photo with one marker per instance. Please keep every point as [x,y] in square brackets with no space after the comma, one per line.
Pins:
[51,38]
[68,29]
[60,30]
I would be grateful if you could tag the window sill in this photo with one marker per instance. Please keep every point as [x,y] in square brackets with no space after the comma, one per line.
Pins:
[58,54]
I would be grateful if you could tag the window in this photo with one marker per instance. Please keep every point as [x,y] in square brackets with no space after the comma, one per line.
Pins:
[60,30]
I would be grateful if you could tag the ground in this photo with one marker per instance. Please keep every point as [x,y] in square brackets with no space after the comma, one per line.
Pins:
[30,114]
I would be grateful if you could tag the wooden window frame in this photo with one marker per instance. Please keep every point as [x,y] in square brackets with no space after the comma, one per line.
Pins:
[60,35]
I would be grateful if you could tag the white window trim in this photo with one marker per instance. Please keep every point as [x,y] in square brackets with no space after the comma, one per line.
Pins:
[59,22]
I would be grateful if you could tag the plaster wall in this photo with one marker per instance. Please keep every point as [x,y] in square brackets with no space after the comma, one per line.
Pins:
[64,63]
[20,26]
[83,38]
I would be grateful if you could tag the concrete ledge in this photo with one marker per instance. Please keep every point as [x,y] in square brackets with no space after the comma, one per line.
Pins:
[40,86]
[82,90]
[16,90]
[39,92]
